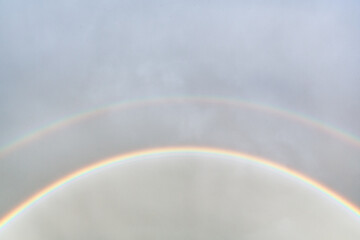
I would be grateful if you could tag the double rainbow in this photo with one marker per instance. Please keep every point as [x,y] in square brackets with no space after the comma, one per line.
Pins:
[351,139]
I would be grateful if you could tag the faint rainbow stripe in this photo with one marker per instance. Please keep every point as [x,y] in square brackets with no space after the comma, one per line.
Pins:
[286,114]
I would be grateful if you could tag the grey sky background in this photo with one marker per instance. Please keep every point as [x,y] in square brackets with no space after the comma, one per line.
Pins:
[58,59]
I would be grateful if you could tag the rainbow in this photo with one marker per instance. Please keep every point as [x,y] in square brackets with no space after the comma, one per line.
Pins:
[286,114]
[176,150]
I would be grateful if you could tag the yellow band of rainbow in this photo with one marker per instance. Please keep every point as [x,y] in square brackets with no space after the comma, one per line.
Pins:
[138,154]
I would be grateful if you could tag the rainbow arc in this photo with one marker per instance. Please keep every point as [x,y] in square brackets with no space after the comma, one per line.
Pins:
[175,150]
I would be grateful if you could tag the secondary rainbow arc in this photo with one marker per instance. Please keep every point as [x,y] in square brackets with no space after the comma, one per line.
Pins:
[286,114]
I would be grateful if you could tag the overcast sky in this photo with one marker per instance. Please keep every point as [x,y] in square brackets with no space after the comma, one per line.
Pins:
[61,58]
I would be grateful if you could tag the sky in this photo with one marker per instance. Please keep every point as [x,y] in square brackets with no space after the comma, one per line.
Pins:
[60,59]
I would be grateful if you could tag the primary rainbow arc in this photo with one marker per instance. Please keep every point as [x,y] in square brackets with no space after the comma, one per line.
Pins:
[220,152]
